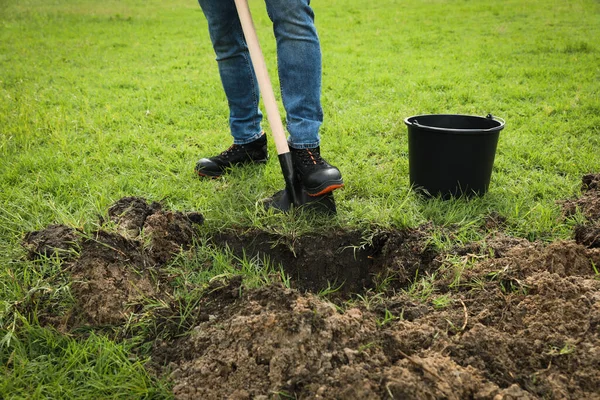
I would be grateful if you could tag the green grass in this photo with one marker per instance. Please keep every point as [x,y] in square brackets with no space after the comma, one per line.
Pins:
[43,364]
[100,100]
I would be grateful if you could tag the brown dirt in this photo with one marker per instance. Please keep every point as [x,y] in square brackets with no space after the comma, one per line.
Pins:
[588,235]
[114,273]
[55,240]
[276,341]
[523,322]
[588,203]
[341,259]
[111,277]
[531,330]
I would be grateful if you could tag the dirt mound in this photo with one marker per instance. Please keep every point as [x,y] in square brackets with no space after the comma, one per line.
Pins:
[529,331]
[130,213]
[54,241]
[529,318]
[168,231]
[277,342]
[542,336]
[565,258]
[113,272]
[111,276]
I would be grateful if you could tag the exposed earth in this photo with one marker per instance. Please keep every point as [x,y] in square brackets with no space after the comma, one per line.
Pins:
[503,318]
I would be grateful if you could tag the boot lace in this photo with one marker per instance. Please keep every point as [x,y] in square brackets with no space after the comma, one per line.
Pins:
[233,149]
[310,157]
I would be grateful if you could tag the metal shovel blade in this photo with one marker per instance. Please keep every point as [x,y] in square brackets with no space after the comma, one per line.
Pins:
[282,201]
[294,195]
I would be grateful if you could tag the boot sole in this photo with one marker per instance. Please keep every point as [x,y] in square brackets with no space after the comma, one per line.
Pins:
[327,189]
[208,175]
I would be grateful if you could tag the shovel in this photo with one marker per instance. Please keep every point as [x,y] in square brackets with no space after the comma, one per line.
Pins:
[294,195]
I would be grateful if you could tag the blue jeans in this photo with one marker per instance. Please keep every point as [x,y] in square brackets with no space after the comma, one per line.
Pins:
[299,67]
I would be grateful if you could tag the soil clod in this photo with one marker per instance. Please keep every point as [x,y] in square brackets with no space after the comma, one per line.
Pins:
[588,233]
[54,241]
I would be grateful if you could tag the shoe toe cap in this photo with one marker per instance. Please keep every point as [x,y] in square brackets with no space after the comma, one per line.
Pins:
[206,166]
[323,177]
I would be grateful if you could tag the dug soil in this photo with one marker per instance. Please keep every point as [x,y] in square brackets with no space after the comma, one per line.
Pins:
[504,318]
[525,325]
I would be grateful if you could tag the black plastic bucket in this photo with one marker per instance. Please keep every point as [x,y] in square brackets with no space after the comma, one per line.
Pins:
[452,155]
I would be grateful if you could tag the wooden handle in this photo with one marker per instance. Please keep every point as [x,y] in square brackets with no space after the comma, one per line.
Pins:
[264,83]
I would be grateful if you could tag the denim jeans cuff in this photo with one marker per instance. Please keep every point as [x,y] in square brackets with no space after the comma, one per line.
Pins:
[249,140]
[303,145]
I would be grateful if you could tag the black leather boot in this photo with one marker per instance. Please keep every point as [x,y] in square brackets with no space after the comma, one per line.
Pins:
[317,176]
[237,154]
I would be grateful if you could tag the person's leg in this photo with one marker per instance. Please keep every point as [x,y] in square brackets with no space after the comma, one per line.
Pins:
[241,89]
[235,69]
[299,65]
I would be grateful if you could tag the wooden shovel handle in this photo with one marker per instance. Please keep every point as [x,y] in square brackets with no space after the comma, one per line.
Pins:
[264,83]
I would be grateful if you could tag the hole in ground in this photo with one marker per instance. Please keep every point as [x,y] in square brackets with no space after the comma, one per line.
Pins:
[340,258]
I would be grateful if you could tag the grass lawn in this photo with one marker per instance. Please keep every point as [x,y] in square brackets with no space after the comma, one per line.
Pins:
[101,100]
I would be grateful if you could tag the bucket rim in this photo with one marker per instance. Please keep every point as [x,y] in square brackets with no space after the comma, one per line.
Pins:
[501,121]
